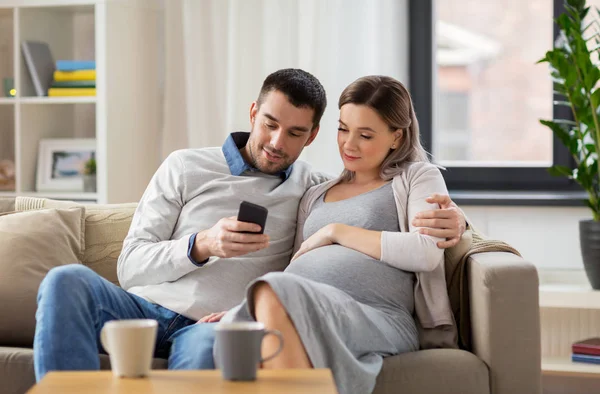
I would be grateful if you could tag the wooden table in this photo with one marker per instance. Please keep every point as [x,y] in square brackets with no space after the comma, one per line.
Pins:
[291,381]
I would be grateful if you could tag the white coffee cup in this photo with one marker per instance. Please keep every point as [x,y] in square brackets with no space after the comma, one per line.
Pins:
[130,345]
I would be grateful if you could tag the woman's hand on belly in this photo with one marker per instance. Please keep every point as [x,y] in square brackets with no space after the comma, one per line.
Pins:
[364,241]
[323,237]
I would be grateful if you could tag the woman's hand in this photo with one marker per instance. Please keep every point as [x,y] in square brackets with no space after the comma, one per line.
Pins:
[212,318]
[325,236]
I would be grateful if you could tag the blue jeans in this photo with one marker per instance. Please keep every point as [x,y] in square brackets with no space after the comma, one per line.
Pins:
[74,303]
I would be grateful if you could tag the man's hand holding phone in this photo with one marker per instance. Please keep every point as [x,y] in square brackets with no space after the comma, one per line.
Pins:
[231,237]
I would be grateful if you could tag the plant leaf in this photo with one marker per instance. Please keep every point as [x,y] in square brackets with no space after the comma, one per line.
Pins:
[572,12]
[590,205]
[590,148]
[577,4]
[592,165]
[584,13]
[582,176]
[591,78]
[560,90]
[596,96]
[563,133]
[565,122]
[561,171]
[573,146]
[576,85]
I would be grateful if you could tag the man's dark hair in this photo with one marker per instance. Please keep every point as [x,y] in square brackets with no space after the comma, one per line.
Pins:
[300,87]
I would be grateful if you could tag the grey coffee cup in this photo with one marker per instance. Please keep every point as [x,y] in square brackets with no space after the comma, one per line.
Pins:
[238,349]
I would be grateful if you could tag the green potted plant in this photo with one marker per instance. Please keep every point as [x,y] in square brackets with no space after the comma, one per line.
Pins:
[89,176]
[575,78]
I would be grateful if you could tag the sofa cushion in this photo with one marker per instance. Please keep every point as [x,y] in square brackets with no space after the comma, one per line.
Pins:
[441,371]
[31,243]
[106,226]
[427,371]
[16,369]
[7,204]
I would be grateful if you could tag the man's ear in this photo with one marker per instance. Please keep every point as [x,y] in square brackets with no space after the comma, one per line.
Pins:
[313,135]
[253,112]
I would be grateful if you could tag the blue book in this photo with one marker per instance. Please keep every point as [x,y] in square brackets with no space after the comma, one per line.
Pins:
[73,65]
[585,358]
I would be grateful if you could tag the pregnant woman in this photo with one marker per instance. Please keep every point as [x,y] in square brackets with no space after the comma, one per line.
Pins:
[347,298]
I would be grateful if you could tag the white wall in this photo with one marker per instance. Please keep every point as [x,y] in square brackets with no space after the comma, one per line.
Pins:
[545,236]
[360,49]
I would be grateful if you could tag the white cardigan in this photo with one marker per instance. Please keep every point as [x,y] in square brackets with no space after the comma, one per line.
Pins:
[409,250]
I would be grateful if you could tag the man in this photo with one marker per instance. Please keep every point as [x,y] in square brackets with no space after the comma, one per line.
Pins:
[186,256]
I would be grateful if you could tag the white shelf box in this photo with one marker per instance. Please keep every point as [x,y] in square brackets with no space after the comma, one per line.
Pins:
[563,366]
[68,31]
[42,121]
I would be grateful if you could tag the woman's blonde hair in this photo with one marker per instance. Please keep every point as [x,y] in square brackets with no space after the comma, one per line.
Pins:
[391,100]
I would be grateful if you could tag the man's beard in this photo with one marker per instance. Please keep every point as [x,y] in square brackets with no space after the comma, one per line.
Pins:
[268,169]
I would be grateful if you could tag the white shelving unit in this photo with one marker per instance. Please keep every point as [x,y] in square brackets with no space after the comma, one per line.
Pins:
[563,366]
[569,296]
[562,298]
[123,37]
[56,195]
[57,100]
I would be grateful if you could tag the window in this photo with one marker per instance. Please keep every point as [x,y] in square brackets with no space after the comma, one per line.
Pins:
[479,94]
[454,141]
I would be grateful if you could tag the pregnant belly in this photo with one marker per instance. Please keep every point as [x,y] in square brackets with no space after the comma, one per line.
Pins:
[364,278]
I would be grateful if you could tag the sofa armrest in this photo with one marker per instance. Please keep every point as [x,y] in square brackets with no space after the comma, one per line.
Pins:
[505,321]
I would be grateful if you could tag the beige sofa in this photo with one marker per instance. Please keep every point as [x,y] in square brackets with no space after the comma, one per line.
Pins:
[504,318]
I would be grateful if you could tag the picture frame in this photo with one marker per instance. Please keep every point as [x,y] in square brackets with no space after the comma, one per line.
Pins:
[61,163]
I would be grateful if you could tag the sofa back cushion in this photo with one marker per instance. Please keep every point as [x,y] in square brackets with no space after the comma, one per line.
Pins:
[7,204]
[106,226]
[32,243]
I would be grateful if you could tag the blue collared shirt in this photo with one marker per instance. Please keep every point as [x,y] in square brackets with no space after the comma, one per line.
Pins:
[237,166]
[235,160]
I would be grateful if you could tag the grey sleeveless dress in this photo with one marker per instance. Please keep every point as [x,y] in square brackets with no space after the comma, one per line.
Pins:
[349,309]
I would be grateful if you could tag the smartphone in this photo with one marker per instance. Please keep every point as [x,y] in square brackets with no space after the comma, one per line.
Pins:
[253,213]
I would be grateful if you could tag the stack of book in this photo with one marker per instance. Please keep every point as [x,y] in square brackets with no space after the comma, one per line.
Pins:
[587,351]
[74,78]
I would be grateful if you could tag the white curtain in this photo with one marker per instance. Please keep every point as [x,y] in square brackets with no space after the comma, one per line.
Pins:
[218,53]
